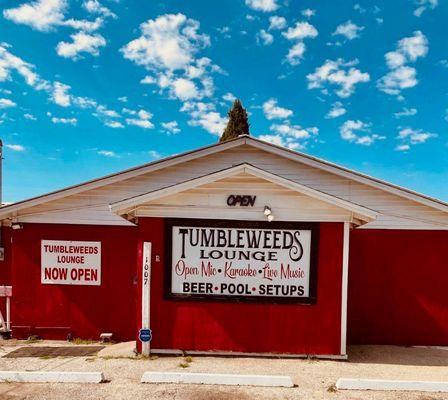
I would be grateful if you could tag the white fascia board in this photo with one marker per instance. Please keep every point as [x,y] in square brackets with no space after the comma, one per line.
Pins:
[6,211]
[128,204]
[349,174]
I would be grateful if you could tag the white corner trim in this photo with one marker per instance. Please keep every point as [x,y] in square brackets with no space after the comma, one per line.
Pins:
[344,288]
[51,376]
[384,384]
[217,379]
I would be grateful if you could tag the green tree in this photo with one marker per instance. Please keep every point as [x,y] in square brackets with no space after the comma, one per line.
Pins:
[238,124]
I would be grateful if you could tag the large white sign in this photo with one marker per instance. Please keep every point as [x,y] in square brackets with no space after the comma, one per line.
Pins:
[217,261]
[70,263]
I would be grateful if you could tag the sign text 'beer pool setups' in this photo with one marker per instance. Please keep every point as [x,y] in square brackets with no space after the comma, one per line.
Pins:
[70,262]
[242,262]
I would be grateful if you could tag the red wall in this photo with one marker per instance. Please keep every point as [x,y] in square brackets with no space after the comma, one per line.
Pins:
[52,311]
[247,327]
[5,265]
[398,287]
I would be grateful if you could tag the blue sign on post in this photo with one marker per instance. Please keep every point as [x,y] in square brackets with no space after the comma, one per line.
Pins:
[145,335]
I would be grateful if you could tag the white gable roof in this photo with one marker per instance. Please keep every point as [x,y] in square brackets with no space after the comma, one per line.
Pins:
[168,164]
[358,212]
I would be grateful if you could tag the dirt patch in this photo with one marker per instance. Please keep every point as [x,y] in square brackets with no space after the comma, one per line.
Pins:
[53,351]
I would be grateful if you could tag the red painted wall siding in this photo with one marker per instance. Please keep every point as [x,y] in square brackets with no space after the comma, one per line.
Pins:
[5,265]
[277,328]
[398,287]
[84,311]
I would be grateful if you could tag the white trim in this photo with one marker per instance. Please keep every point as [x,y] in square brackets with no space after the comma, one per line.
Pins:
[345,254]
[385,384]
[217,379]
[51,376]
[246,354]
[124,206]
[146,292]
[350,174]
[6,211]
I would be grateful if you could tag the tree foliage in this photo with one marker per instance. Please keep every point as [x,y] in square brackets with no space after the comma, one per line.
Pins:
[238,124]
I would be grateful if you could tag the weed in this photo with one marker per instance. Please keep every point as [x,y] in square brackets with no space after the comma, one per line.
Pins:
[332,388]
[83,341]
[183,365]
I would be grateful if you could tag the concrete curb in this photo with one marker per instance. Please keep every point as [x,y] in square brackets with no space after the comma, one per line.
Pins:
[384,384]
[217,379]
[51,376]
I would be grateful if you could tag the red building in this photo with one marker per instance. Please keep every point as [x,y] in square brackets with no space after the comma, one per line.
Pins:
[239,247]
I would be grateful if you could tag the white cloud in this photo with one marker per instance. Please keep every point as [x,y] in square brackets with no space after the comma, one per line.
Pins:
[276,22]
[301,31]
[168,47]
[402,76]
[42,15]
[84,25]
[294,131]
[229,97]
[167,42]
[402,147]
[10,63]
[123,99]
[282,141]
[30,117]
[264,38]
[273,111]
[397,80]
[141,118]
[15,147]
[205,116]
[410,136]
[185,89]
[66,121]
[107,153]
[308,12]
[263,5]
[358,132]
[337,110]
[424,5]
[339,73]
[406,112]
[349,30]
[81,43]
[113,124]
[60,94]
[295,53]
[394,59]
[171,127]
[7,103]
[95,7]
[413,47]
[154,154]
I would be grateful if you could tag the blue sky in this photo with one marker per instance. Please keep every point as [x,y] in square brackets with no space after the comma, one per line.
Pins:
[89,88]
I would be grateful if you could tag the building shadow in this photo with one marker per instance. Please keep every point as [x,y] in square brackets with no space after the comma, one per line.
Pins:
[399,355]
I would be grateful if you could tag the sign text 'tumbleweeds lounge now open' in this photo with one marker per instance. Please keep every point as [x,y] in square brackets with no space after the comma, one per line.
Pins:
[242,261]
[70,262]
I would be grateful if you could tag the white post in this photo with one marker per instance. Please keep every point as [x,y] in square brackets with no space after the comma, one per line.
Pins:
[8,313]
[146,291]
[345,253]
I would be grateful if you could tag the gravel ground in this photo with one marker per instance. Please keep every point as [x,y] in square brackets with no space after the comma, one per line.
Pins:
[314,378]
